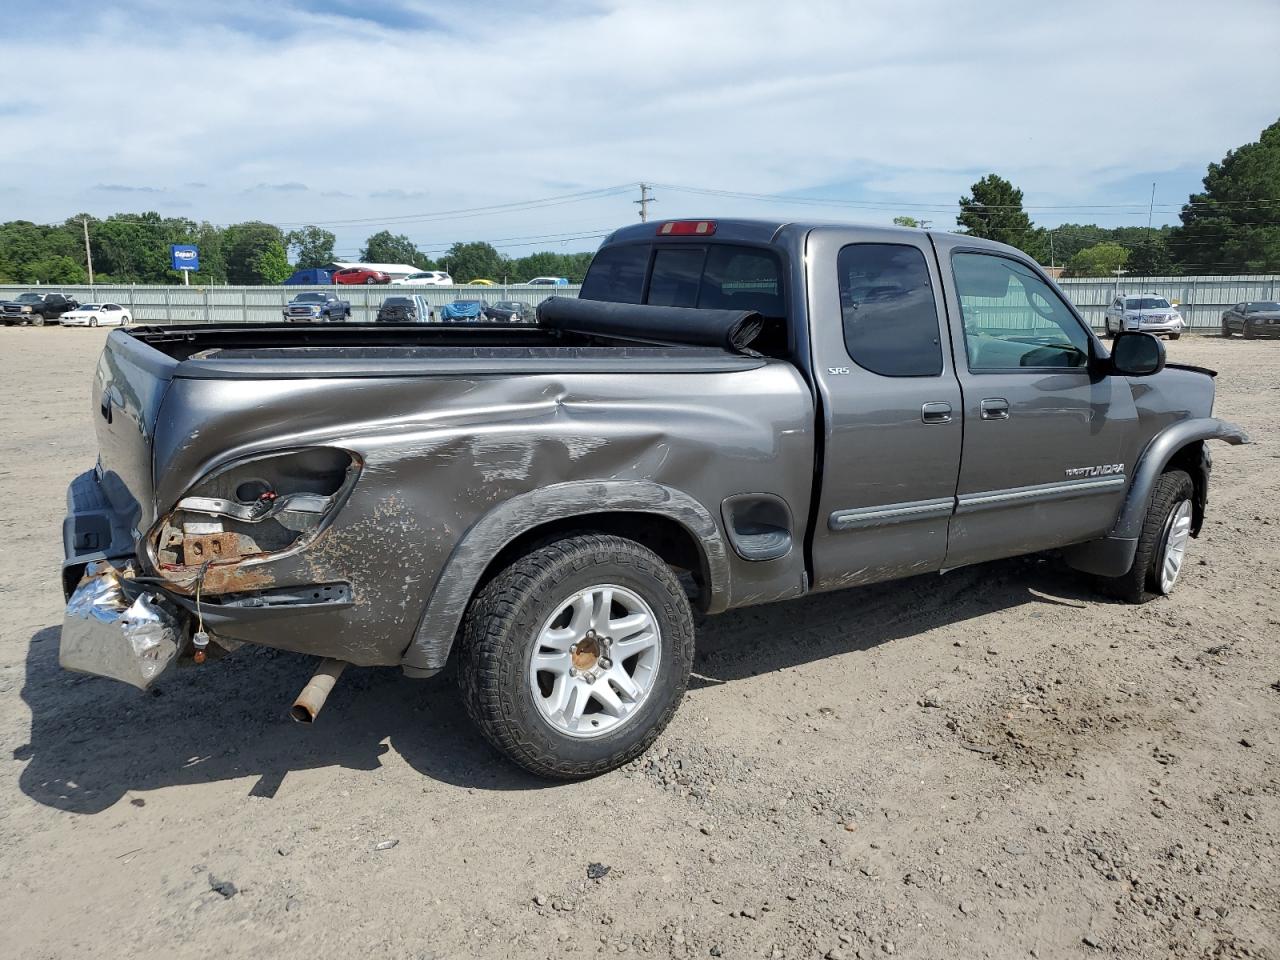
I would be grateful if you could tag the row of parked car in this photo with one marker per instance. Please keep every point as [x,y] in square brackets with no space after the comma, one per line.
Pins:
[368,276]
[326,307]
[37,309]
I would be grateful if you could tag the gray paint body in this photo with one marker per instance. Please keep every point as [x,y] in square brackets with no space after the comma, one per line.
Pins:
[461,455]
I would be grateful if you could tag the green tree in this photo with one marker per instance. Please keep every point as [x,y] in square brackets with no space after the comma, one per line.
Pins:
[386,247]
[471,261]
[906,221]
[1100,260]
[311,246]
[272,264]
[53,270]
[254,253]
[1233,227]
[994,211]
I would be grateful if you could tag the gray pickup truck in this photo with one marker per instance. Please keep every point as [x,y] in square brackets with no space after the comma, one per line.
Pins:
[734,412]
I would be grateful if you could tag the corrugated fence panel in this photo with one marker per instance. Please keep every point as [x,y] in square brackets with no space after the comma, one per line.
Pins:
[1200,299]
[174,304]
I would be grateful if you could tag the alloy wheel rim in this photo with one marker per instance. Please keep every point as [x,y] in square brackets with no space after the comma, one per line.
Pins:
[1175,546]
[595,661]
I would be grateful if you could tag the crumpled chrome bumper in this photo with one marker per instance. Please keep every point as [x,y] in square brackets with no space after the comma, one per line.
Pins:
[119,629]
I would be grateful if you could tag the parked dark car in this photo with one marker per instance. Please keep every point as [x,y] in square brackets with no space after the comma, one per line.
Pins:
[410,309]
[36,308]
[316,305]
[311,277]
[1256,318]
[465,311]
[360,275]
[510,311]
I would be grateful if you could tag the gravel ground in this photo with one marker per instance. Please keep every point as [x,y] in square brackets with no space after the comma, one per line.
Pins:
[991,763]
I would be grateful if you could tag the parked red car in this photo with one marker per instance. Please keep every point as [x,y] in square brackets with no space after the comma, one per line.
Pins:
[360,275]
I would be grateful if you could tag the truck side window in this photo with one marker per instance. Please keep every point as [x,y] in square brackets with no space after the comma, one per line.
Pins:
[617,274]
[1012,319]
[888,310]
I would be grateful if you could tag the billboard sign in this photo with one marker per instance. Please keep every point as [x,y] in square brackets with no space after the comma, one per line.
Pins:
[185,256]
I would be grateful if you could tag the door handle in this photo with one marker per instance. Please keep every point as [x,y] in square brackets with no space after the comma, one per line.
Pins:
[996,408]
[937,412]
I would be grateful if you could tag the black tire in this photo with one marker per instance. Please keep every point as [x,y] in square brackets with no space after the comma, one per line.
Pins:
[500,631]
[1174,336]
[1247,332]
[1226,329]
[1142,580]
[93,321]
[37,320]
[370,281]
[1111,334]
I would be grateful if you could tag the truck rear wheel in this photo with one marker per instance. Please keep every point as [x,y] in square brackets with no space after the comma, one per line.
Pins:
[1162,544]
[575,657]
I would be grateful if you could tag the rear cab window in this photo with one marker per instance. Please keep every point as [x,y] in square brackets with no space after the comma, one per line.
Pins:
[718,276]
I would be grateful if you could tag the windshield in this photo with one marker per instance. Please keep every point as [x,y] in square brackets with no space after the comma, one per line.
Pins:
[1265,306]
[1146,303]
[309,298]
[466,303]
[88,306]
[397,302]
[29,298]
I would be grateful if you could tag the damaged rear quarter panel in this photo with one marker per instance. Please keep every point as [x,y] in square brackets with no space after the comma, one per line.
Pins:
[440,452]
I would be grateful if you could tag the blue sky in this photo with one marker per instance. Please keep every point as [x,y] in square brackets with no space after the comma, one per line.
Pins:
[373,115]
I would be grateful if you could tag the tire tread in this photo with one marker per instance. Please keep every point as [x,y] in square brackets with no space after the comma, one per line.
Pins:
[486,645]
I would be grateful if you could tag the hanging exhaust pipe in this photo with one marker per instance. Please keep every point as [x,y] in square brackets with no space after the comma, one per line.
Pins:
[311,700]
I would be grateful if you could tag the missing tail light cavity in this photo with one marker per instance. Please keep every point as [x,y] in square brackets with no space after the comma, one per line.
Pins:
[250,510]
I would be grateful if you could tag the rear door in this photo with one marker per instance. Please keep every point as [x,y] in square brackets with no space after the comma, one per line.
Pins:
[1044,429]
[891,406]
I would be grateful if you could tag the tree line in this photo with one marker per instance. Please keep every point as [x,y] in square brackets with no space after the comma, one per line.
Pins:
[1231,227]
[134,248]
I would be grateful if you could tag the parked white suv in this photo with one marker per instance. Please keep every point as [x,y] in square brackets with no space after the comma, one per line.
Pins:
[429,278]
[1146,312]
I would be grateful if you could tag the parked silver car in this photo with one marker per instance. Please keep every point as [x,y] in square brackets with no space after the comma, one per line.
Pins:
[1145,313]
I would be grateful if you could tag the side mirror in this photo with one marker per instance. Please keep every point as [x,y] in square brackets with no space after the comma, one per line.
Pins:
[1136,354]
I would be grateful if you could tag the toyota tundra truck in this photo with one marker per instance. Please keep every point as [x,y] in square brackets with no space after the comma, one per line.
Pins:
[733,412]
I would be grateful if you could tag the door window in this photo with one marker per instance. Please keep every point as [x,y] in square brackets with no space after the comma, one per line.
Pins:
[1013,320]
[888,311]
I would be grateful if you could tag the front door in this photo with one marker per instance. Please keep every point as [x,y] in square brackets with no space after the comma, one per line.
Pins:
[1042,464]
[890,404]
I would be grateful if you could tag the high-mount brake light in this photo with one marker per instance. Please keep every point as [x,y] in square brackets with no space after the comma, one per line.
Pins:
[687,228]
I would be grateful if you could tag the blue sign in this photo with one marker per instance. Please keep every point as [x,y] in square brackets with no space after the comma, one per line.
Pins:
[185,256]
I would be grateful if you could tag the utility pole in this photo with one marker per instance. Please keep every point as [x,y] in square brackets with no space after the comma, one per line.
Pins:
[644,201]
[1119,274]
[88,257]
[1051,262]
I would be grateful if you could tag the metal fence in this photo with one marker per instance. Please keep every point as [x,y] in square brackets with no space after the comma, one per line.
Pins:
[1201,299]
[174,304]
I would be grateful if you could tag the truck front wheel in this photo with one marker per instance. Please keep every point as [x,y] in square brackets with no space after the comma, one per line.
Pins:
[1162,544]
[575,657]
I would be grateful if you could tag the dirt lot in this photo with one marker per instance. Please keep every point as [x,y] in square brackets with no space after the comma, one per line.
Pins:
[990,763]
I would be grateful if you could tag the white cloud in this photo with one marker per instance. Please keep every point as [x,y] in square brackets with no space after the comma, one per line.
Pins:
[489,103]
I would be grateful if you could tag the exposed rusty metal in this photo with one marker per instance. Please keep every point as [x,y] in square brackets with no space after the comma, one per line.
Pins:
[311,700]
[200,548]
